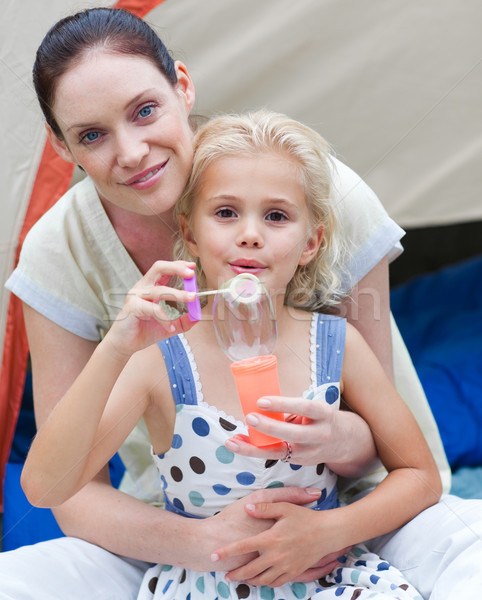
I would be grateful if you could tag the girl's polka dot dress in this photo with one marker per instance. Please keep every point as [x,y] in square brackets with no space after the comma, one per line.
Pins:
[200,477]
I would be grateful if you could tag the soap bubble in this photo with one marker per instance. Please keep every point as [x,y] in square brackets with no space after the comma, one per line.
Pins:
[244,318]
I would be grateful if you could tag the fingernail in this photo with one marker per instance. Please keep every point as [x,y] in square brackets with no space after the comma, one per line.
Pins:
[252,419]
[250,506]
[230,445]
[313,491]
[214,557]
[264,403]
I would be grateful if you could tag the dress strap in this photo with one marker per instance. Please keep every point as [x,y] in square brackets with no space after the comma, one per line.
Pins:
[330,346]
[179,369]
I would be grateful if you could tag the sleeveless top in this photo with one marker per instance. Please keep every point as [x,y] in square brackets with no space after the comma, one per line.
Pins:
[199,475]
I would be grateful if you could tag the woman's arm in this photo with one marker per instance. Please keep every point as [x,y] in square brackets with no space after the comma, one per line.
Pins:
[367,308]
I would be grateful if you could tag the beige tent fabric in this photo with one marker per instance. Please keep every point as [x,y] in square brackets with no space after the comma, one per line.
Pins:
[394,86]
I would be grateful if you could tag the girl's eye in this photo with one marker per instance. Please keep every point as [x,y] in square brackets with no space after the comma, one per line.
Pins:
[225,213]
[91,136]
[276,216]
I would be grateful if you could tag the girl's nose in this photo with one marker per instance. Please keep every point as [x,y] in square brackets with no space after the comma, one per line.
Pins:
[250,235]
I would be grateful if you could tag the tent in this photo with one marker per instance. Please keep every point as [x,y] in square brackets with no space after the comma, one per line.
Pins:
[394,86]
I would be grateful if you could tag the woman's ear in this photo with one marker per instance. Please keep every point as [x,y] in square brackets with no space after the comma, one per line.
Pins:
[185,85]
[59,146]
[188,235]
[312,245]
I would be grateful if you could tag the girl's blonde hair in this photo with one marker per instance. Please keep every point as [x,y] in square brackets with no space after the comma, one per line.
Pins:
[315,285]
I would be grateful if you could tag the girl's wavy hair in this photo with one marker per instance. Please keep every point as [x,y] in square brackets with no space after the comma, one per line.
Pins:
[315,285]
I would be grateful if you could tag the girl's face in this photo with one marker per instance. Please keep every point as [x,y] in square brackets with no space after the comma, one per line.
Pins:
[251,216]
[125,124]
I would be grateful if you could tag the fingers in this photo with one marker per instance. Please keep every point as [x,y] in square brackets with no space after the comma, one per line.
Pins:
[241,445]
[153,286]
[162,270]
[293,495]
[311,409]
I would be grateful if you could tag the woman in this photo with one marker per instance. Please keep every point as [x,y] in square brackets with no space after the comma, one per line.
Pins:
[117,105]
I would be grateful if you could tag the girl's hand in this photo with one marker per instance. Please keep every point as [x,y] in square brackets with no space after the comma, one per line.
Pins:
[289,550]
[142,321]
[311,426]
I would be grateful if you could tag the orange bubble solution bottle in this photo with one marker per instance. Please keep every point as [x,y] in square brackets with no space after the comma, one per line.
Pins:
[245,326]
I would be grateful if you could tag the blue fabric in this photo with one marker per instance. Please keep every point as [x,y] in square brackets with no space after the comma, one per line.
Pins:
[440,318]
[23,523]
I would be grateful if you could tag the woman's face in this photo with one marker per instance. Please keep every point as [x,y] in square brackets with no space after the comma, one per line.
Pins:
[127,127]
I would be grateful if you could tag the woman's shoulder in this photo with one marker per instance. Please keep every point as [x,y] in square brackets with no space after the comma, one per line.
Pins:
[71,212]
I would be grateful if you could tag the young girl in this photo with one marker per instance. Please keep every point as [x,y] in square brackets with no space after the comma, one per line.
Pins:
[258,201]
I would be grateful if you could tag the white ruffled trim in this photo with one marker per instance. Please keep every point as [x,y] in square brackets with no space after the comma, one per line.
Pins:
[313,348]
[197,380]
[199,392]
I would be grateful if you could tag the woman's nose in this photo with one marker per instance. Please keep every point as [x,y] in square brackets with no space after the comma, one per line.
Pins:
[130,150]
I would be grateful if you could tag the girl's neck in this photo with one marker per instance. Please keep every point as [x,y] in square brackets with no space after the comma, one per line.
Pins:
[146,238]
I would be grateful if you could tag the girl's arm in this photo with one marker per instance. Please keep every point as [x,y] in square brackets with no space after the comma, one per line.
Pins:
[83,432]
[413,483]
[103,515]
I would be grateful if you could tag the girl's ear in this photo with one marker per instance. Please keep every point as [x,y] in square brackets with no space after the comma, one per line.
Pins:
[59,146]
[185,86]
[188,236]
[312,245]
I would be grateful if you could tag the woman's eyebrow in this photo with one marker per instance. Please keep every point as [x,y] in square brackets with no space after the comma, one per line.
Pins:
[129,103]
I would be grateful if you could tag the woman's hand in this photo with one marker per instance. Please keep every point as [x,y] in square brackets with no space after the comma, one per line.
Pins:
[142,321]
[317,433]
[290,549]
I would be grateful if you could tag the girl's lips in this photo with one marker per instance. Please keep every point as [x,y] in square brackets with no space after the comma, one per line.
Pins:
[247,266]
[147,178]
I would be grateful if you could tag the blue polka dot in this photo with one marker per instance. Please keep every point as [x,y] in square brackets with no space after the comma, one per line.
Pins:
[245,478]
[221,490]
[266,592]
[224,455]
[383,566]
[332,394]
[275,484]
[298,589]
[339,591]
[179,407]
[223,589]
[200,427]
[374,579]
[200,584]
[167,586]
[196,498]
[295,467]
[178,504]
[163,482]
[176,441]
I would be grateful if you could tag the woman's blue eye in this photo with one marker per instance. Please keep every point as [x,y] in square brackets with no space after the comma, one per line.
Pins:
[145,111]
[92,136]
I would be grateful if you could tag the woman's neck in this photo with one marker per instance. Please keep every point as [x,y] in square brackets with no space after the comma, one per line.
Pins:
[146,238]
